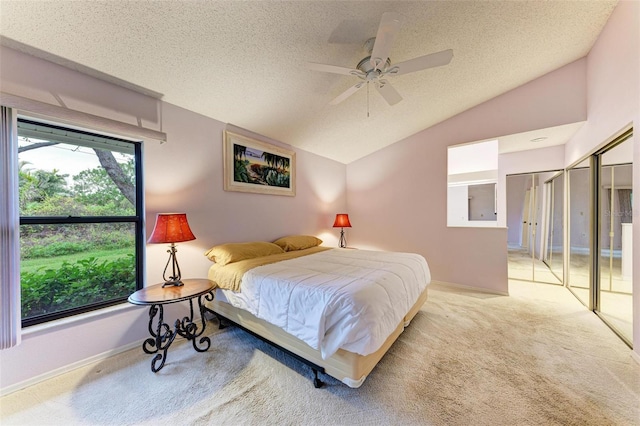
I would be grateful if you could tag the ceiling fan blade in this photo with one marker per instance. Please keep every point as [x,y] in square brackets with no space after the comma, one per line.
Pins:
[387,91]
[423,62]
[344,95]
[330,68]
[387,31]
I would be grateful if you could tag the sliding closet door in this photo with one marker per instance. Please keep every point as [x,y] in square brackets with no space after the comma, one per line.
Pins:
[520,212]
[528,220]
[614,298]
[554,248]
[600,220]
[579,210]
[542,271]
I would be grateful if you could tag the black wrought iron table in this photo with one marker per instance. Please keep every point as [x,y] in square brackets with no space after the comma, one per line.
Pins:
[162,335]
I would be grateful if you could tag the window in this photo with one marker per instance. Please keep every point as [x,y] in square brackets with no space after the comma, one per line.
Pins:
[80,201]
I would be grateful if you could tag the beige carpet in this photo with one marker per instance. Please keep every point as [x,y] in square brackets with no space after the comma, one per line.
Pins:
[535,358]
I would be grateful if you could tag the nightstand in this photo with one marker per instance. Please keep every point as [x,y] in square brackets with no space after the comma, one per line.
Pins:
[162,335]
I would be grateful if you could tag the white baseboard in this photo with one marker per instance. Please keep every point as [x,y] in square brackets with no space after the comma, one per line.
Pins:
[470,288]
[635,356]
[65,369]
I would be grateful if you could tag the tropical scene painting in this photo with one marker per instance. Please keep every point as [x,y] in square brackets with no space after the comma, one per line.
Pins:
[258,167]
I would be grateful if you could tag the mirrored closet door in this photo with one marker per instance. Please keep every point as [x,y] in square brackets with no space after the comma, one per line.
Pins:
[614,299]
[579,247]
[554,226]
[600,221]
[535,226]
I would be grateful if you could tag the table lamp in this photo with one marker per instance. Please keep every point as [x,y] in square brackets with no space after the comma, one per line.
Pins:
[342,221]
[171,228]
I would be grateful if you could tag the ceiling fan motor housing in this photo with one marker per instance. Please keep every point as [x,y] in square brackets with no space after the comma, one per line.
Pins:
[365,66]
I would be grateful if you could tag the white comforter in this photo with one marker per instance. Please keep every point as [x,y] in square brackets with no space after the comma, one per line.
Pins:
[349,299]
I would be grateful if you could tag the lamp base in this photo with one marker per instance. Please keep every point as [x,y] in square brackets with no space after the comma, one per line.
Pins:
[176,283]
[343,241]
[172,280]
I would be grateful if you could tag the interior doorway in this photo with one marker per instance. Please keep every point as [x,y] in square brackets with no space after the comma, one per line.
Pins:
[535,227]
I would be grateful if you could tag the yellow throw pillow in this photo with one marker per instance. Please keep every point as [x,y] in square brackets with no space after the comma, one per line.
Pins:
[233,252]
[297,242]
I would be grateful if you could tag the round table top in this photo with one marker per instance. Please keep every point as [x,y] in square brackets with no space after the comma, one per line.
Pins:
[158,295]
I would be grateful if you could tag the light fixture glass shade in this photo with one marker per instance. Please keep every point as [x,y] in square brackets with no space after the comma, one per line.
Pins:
[342,221]
[171,228]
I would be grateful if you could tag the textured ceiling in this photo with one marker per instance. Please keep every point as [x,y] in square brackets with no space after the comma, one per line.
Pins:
[244,62]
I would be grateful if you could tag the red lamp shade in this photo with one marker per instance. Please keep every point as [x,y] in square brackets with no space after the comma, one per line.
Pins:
[342,221]
[171,228]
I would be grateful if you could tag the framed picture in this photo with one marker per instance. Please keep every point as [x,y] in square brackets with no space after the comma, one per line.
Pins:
[254,166]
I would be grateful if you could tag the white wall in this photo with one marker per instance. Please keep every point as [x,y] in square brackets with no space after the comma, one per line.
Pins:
[482,203]
[473,157]
[183,174]
[457,205]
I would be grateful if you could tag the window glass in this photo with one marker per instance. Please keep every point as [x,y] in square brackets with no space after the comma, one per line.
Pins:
[80,229]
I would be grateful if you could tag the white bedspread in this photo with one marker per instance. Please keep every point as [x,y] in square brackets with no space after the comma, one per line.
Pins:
[349,299]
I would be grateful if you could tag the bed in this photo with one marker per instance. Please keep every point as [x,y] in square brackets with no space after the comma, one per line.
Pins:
[337,310]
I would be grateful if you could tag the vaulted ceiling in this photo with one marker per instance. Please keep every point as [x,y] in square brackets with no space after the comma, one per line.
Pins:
[244,62]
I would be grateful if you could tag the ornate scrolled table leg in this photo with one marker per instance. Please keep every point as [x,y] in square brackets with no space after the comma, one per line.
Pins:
[162,335]
[160,339]
[190,330]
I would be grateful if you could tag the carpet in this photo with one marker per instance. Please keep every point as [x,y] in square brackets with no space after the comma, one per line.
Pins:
[537,357]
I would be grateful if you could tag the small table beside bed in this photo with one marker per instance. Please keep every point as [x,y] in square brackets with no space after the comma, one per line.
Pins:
[336,310]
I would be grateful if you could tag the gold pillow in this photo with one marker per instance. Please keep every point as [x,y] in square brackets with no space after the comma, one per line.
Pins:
[297,242]
[233,252]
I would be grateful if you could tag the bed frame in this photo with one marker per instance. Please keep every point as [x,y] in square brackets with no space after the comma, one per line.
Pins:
[350,368]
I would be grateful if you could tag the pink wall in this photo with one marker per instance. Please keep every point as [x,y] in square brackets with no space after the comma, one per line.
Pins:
[397,196]
[613,86]
[194,184]
[183,174]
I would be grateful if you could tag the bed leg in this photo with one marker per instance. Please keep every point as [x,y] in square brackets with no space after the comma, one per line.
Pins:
[218,317]
[317,383]
[221,325]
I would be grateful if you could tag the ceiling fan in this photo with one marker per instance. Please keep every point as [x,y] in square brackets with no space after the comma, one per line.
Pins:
[376,67]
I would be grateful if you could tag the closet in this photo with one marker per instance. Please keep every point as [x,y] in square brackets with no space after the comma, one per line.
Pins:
[535,226]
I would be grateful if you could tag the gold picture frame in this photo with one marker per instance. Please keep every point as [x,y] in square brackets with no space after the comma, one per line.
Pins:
[259,167]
